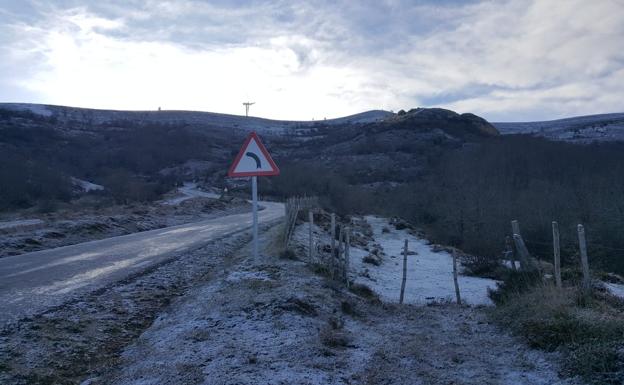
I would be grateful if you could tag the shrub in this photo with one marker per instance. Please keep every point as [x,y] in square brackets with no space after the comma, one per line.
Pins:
[483,266]
[372,259]
[514,283]
[349,308]
[588,333]
[288,254]
[363,291]
[334,338]
[332,334]
[320,269]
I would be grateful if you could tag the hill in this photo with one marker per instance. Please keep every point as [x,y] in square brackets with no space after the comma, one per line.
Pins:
[137,155]
[580,129]
[63,115]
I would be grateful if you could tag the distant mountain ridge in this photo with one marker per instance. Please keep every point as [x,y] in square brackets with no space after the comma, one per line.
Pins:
[98,117]
[579,129]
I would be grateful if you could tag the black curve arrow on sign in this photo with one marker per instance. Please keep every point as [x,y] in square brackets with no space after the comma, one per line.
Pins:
[255,157]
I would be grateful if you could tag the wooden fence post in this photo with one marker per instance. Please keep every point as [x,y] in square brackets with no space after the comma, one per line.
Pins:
[510,252]
[457,295]
[332,232]
[557,253]
[584,261]
[287,222]
[515,227]
[522,251]
[404,279]
[338,261]
[311,224]
[346,256]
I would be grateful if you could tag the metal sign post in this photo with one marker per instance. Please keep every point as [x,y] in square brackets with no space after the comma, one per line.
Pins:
[253,160]
[254,202]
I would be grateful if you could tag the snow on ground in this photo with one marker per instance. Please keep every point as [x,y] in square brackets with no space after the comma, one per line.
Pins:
[275,322]
[615,289]
[21,223]
[584,129]
[37,109]
[429,274]
[187,191]
[237,321]
[86,185]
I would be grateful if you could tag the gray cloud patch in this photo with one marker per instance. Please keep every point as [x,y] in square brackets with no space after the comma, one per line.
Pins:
[506,59]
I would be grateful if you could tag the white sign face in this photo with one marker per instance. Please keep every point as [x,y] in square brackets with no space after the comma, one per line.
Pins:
[253,160]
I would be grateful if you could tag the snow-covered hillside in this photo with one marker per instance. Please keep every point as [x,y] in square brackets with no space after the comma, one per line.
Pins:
[582,129]
[197,118]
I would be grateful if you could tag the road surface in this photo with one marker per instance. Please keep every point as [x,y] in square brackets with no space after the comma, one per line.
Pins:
[31,283]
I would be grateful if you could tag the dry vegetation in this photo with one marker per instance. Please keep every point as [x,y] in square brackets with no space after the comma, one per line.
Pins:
[587,329]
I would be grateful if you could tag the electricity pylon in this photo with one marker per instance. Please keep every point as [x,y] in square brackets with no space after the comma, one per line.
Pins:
[247,105]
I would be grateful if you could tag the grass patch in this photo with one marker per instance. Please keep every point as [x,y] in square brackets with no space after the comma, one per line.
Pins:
[485,267]
[372,259]
[320,269]
[349,308]
[363,291]
[333,334]
[587,330]
[301,306]
[288,254]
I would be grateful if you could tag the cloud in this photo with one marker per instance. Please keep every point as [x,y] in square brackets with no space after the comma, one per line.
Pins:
[504,60]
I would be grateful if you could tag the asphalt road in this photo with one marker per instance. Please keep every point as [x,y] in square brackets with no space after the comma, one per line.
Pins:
[31,283]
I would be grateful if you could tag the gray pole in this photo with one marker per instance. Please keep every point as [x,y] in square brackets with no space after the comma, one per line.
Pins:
[457,295]
[404,278]
[556,253]
[584,262]
[332,232]
[254,197]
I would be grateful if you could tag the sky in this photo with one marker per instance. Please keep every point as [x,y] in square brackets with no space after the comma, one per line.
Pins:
[506,60]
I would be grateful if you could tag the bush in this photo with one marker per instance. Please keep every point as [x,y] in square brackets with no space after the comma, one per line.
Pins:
[372,259]
[588,333]
[515,282]
[363,291]
[288,254]
[483,266]
[334,338]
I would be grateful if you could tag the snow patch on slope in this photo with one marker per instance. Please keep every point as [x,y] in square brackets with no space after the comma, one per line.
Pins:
[616,289]
[37,109]
[86,186]
[583,129]
[429,274]
[189,190]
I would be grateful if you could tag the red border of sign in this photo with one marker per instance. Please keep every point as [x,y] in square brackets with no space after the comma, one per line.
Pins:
[273,172]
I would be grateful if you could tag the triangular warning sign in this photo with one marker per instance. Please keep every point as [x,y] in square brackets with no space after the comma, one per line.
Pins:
[253,159]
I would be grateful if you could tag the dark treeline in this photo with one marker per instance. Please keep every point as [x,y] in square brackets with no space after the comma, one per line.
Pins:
[36,160]
[469,196]
[26,182]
